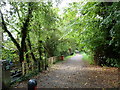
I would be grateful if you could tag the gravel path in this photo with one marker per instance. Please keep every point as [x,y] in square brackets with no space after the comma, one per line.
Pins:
[76,73]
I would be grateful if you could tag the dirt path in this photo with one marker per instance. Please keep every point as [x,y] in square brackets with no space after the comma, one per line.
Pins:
[75,73]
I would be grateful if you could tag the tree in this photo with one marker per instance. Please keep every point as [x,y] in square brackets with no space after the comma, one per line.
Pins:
[97,24]
[24,30]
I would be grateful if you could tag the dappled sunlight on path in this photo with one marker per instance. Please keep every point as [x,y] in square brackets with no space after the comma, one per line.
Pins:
[76,73]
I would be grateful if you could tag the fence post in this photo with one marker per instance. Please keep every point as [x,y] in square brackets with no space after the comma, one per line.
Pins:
[51,60]
[23,68]
[54,59]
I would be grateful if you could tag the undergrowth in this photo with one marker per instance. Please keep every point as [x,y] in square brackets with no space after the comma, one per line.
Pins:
[87,57]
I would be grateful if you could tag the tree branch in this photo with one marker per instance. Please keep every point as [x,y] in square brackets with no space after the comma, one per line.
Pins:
[24,31]
[12,27]
[29,44]
[8,32]
[18,13]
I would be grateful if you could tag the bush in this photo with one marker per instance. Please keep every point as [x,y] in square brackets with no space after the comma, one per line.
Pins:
[87,57]
[113,62]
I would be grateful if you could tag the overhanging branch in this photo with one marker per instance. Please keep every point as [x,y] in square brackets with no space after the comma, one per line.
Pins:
[8,32]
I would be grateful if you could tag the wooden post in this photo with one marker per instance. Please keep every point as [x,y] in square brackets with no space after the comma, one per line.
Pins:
[55,59]
[51,60]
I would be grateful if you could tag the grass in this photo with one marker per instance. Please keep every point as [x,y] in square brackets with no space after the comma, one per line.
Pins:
[69,56]
[87,57]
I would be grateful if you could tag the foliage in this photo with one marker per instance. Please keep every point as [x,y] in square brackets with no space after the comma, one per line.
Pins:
[8,55]
[88,58]
[95,28]
[36,28]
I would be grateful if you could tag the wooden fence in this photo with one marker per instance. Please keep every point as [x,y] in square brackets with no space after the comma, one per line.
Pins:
[17,71]
[52,60]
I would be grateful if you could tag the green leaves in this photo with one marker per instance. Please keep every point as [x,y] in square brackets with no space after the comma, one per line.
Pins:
[89,26]
[94,25]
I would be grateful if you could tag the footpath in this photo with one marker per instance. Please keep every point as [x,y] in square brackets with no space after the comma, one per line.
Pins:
[76,73]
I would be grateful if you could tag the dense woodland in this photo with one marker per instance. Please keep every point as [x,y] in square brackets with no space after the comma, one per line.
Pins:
[35,30]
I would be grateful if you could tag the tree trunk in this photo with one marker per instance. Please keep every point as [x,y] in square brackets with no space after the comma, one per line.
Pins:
[10,35]
[27,55]
[24,31]
[40,56]
[29,44]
